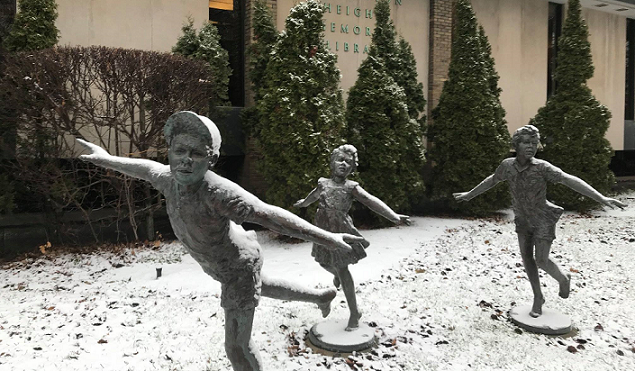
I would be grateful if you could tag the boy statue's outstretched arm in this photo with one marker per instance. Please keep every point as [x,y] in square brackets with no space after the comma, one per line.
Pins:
[585,189]
[482,187]
[287,223]
[134,167]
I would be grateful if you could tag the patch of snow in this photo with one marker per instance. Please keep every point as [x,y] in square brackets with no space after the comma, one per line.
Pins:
[437,294]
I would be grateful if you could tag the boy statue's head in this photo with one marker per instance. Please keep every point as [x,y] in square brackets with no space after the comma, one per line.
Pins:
[526,141]
[529,130]
[194,146]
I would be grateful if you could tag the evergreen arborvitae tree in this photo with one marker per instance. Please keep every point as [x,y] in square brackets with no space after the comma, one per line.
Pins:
[188,43]
[265,36]
[492,79]
[469,132]
[301,109]
[34,26]
[406,76]
[492,75]
[382,114]
[398,59]
[206,46]
[375,111]
[573,123]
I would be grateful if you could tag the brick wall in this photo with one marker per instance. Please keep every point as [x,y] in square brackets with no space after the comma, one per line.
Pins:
[440,48]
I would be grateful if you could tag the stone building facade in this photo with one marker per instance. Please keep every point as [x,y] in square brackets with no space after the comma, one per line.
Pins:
[521,32]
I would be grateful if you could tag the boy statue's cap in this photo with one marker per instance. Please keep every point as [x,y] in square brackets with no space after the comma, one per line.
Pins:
[190,123]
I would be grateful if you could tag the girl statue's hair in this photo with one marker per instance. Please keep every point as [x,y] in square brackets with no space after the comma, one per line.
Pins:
[350,150]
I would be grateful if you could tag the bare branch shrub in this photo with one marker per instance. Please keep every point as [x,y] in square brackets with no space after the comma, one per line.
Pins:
[117,98]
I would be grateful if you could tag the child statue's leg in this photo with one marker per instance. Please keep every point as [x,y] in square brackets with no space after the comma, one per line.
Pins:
[333,271]
[543,247]
[348,286]
[527,252]
[240,349]
[286,290]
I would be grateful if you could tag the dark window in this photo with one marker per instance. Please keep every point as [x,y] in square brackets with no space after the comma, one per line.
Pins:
[228,16]
[629,105]
[555,29]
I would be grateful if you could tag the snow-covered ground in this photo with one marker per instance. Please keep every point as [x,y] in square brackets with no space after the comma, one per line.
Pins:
[437,293]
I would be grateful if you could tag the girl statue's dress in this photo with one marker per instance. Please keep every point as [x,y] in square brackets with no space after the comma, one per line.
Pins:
[332,215]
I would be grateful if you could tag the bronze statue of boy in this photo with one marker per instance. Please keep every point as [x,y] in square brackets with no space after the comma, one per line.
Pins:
[206,212]
[535,217]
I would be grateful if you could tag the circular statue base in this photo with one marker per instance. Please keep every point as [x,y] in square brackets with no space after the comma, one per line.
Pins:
[550,322]
[331,335]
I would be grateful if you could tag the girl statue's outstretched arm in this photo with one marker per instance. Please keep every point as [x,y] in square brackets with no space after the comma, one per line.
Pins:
[311,198]
[378,206]
[134,167]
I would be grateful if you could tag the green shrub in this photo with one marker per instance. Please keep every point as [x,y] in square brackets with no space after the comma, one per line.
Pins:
[406,77]
[265,36]
[34,26]
[205,46]
[376,111]
[383,117]
[259,52]
[573,123]
[301,109]
[469,132]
